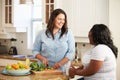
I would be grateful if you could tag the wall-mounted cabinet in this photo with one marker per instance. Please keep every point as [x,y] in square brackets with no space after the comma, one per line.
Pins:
[6,35]
[2,30]
[48,6]
[16,17]
[83,14]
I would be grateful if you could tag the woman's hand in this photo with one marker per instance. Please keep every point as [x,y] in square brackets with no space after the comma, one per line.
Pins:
[60,63]
[56,65]
[72,72]
[42,59]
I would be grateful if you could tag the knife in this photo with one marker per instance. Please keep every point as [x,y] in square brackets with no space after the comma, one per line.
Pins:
[47,66]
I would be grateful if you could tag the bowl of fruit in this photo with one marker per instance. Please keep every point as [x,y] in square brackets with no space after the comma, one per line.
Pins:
[17,69]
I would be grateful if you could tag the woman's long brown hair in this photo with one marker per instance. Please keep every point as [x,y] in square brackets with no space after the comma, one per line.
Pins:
[50,25]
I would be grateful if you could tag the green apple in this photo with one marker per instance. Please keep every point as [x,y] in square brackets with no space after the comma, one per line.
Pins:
[8,67]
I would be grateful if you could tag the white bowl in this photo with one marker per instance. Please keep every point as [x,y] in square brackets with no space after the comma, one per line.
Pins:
[18,72]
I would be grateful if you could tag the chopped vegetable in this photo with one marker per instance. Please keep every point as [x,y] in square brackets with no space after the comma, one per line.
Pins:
[37,67]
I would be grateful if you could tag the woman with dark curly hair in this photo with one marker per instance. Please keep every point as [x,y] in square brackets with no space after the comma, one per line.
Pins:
[100,62]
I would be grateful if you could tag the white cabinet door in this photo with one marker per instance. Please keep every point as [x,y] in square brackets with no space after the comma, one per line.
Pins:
[102,11]
[7,12]
[83,17]
[16,17]
[47,7]
[83,14]
[2,31]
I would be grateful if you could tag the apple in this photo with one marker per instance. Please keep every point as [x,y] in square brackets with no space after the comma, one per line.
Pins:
[8,67]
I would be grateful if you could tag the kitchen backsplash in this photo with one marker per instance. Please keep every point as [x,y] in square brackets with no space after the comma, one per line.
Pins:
[21,45]
[6,43]
[82,48]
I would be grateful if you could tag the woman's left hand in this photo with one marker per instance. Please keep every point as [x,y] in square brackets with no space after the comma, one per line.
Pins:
[56,65]
[72,72]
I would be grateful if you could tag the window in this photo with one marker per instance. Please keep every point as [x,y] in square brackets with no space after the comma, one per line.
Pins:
[36,22]
[36,18]
[49,8]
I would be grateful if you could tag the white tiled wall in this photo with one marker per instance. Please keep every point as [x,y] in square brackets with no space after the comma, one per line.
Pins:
[5,42]
[82,48]
[21,44]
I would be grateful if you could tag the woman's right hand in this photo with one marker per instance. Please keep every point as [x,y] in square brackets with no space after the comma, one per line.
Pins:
[42,59]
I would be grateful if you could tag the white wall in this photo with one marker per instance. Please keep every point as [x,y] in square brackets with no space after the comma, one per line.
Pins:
[114,22]
[21,44]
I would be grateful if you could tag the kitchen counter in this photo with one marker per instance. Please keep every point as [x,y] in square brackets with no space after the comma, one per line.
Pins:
[22,58]
[31,76]
[8,59]
[11,57]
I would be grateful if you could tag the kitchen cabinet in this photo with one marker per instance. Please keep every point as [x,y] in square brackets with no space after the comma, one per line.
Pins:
[48,7]
[16,17]
[6,35]
[2,33]
[83,14]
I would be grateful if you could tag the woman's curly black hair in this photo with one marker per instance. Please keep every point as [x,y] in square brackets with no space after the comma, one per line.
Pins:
[102,35]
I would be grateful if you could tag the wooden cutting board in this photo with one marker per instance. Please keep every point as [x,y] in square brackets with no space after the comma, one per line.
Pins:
[48,72]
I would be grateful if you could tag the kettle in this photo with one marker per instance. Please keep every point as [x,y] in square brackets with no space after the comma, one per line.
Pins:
[13,50]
